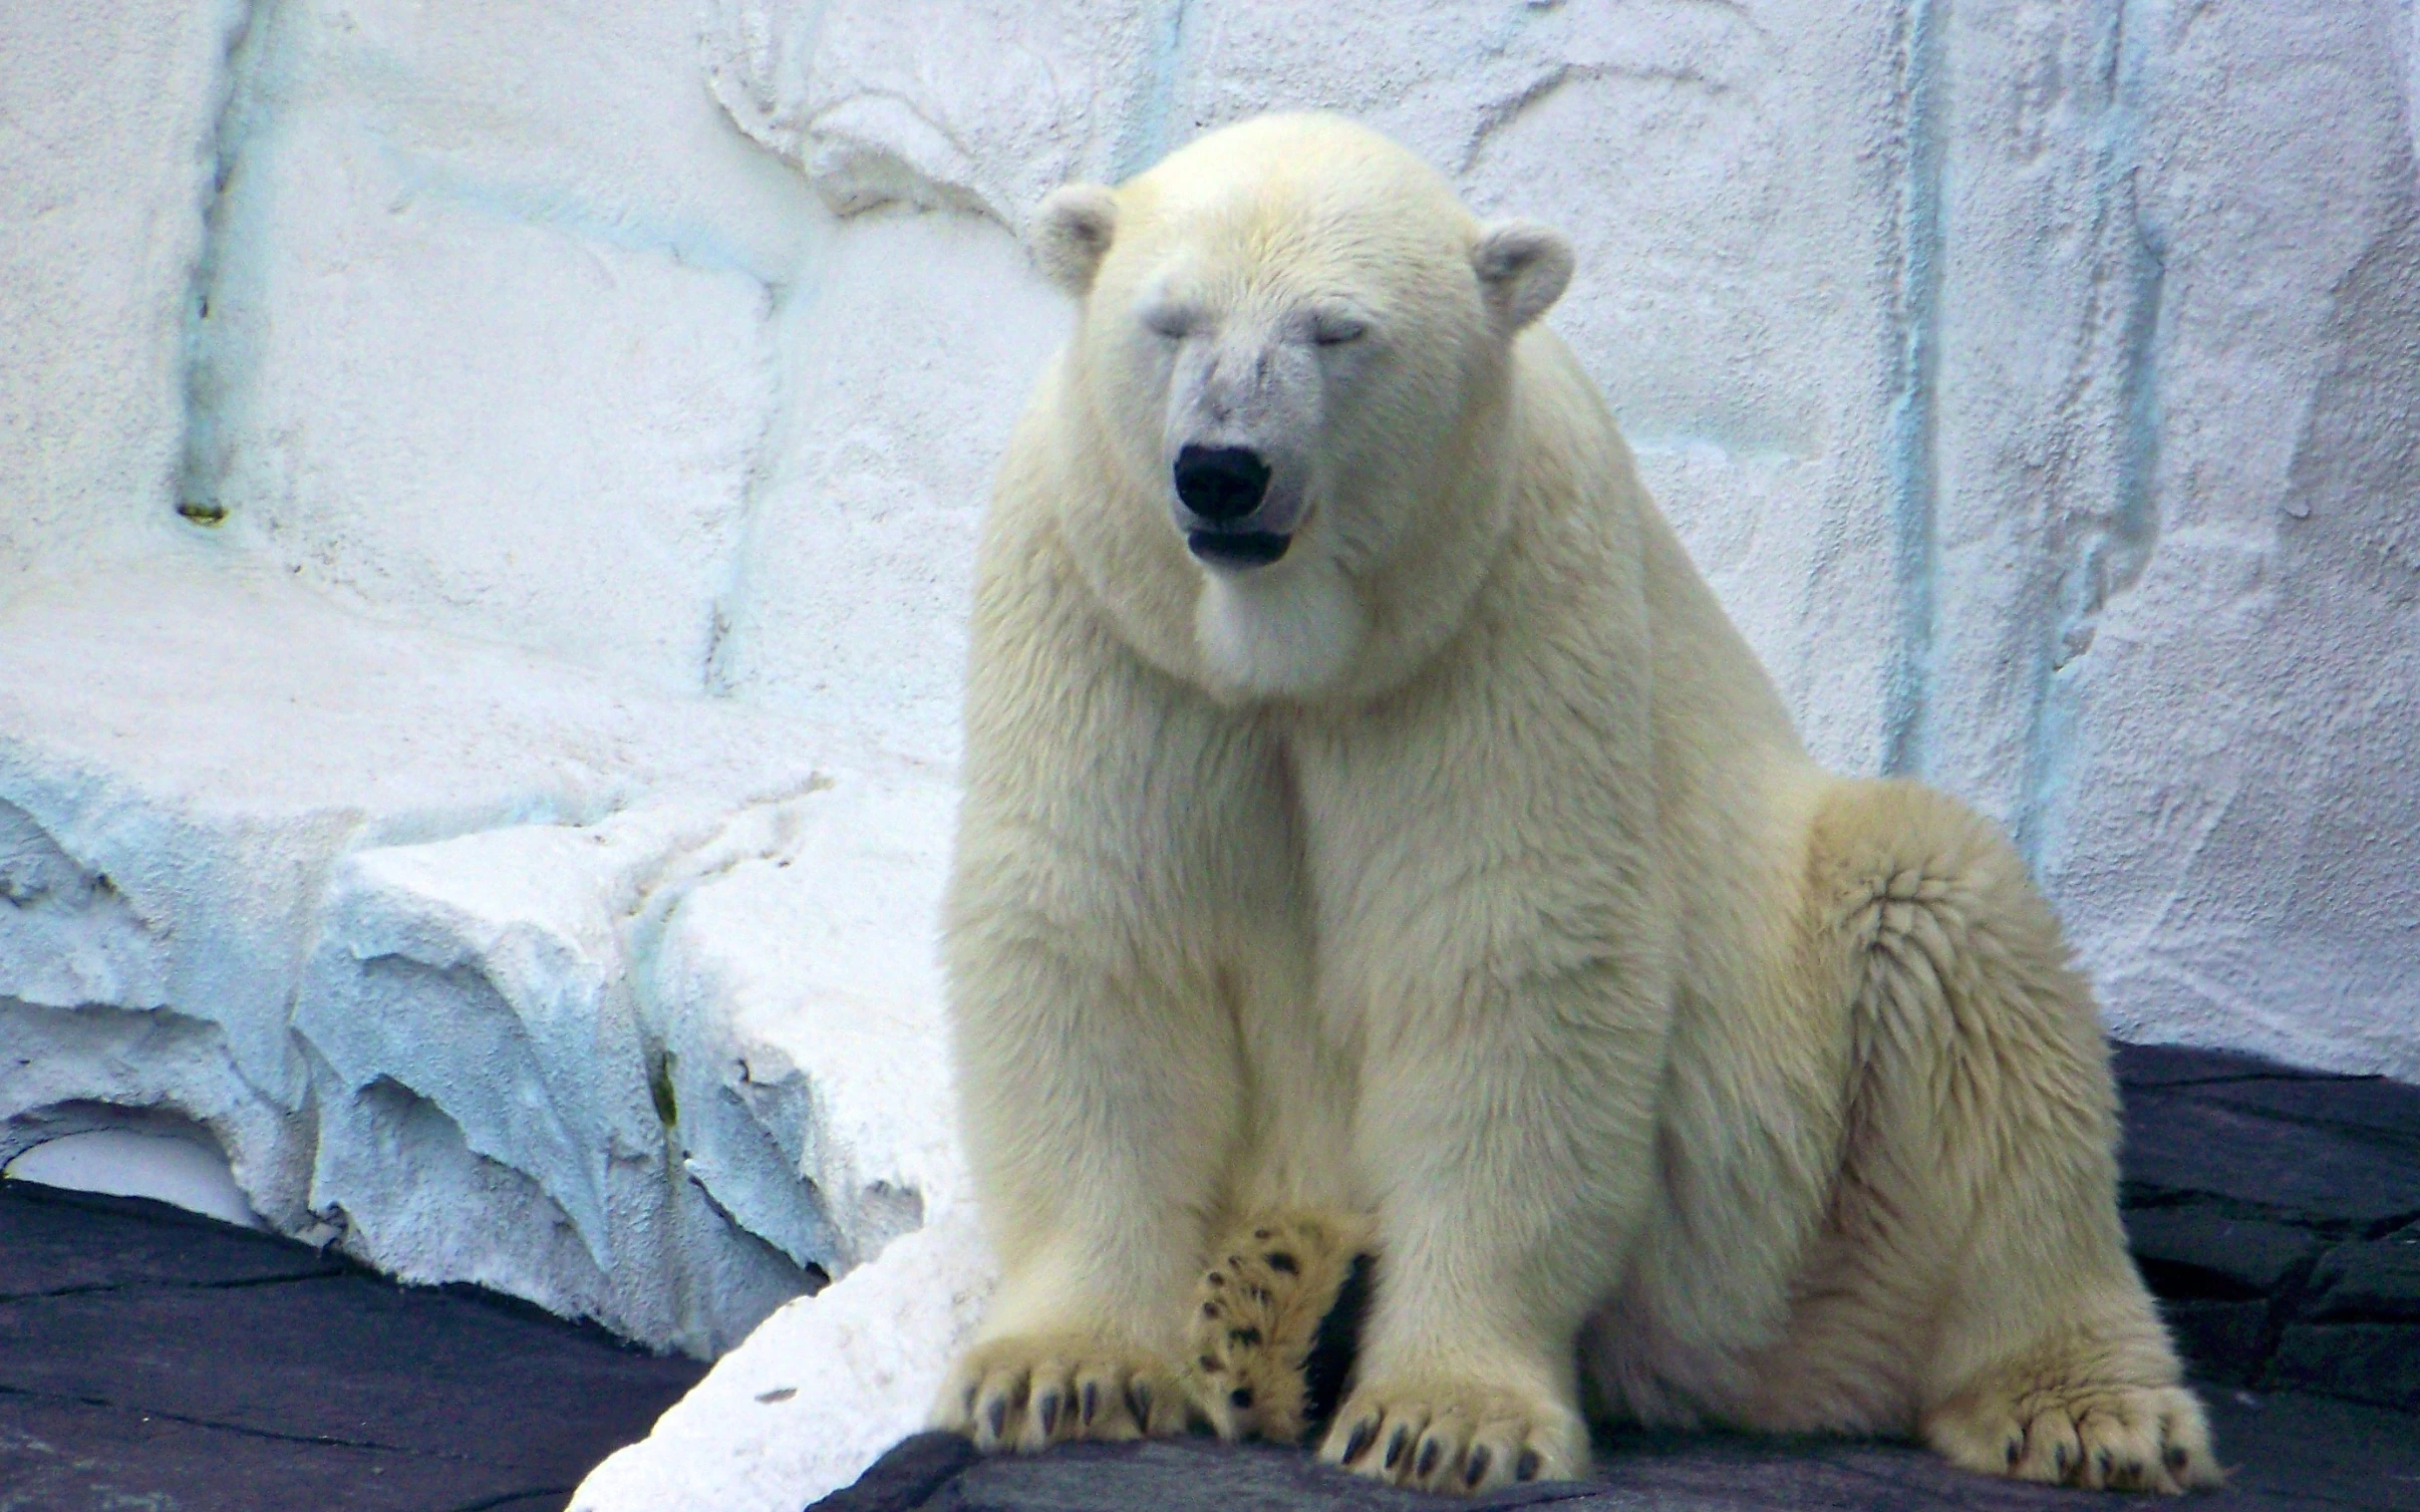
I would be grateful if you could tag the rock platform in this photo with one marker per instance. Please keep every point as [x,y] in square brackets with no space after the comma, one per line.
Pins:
[2275,1212]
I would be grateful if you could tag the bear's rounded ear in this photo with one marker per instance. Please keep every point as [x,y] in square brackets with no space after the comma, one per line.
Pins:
[1522,267]
[1071,234]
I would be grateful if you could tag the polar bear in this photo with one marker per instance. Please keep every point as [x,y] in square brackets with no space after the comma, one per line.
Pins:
[1375,837]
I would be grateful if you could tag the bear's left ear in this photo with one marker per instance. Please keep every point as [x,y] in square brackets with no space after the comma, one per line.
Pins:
[1072,233]
[1522,267]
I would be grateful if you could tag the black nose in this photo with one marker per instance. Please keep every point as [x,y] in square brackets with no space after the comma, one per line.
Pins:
[1221,484]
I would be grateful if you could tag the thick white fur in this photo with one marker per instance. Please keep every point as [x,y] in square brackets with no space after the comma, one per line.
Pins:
[1463,870]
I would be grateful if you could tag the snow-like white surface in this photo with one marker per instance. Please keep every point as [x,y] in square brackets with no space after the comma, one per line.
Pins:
[106,122]
[488,496]
[485,964]
[818,1392]
[512,365]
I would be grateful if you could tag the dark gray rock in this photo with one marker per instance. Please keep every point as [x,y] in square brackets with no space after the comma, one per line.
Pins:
[2286,1450]
[2181,1147]
[2286,1453]
[2254,1197]
[2366,1362]
[2182,1066]
[1686,1473]
[907,1476]
[59,1455]
[2197,1250]
[48,1246]
[153,1359]
[2374,1282]
[2225,1343]
[349,1359]
[2369,1108]
[2219,1280]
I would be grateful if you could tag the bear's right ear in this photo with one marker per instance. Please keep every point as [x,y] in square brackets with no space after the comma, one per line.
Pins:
[1523,267]
[1071,234]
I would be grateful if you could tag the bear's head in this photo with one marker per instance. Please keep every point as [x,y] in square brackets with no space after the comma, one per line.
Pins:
[1294,353]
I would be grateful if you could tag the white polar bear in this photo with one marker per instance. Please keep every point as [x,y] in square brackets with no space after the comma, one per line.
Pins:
[1373,832]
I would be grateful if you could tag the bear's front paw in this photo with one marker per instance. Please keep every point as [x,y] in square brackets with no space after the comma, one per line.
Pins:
[1031,1392]
[2103,1437]
[1439,1435]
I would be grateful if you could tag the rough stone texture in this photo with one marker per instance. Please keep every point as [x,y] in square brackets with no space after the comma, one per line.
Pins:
[2290,1453]
[2276,1213]
[2374,1280]
[515,358]
[493,969]
[2034,382]
[107,117]
[152,1358]
[2031,380]
[2028,378]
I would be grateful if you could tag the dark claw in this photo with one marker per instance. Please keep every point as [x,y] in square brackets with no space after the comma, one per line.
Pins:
[1209,1363]
[1241,1396]
[2058,1460]
[1279,1260]
[1209,1309]
[1365,1434]
[1138,1402]
[1046,1408]
[2016,1451]
[1528,1465]
[1090,1402]
[998,1417]
[2102,1460]
[1216,1279]
[2178,1457]
[1260,1233]
[2132,1470]
[1396,1445]
[1476,1470]
[1430,1451]
[1244,1337]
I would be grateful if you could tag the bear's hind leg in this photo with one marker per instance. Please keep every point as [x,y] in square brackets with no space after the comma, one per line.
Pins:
[1979,1168]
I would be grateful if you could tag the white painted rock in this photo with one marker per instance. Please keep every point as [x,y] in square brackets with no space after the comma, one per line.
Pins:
[818,1392]
[436,939]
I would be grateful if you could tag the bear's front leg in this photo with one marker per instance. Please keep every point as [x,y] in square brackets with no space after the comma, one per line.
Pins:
[1118,848]
[1509,1127]
[1097,1112]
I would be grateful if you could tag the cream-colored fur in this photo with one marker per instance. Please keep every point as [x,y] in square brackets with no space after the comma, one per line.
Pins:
[1460,874]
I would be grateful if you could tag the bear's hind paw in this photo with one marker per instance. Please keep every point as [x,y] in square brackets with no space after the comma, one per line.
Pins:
[2100,1437]
[1256,1322]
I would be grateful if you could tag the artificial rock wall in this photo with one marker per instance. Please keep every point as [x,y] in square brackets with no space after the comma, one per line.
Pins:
[486,495]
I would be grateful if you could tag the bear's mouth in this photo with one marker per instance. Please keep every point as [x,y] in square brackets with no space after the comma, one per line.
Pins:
[1241,549]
